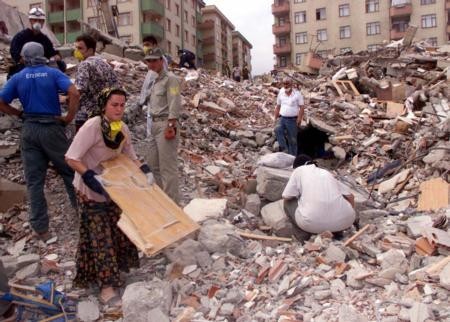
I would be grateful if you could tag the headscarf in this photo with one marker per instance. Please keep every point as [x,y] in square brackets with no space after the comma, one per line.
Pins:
[111,131]
[33,54]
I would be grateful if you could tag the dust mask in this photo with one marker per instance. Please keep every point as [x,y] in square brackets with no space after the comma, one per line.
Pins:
[37,26]
[78,55]
[115,127]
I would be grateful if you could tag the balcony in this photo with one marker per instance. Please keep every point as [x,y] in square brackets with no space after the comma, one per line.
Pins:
[155,7]
[282,49]
[71,36]
[208,24]
[73,14]
[153,28]
[397,34]
[208,41]
[60,37]
[55,17]
[401,10]
[281,29]
[280,9]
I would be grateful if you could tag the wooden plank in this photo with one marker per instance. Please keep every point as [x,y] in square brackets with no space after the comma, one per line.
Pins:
[434,194]
[338,88]
[263,237]
[394,109]
[151,219]
[356,235]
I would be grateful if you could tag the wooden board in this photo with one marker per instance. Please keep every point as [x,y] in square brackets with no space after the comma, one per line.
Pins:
[434,194]
[150,218]
[344,86]
[394,109]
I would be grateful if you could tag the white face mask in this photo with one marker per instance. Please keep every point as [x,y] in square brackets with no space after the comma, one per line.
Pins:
[37,26]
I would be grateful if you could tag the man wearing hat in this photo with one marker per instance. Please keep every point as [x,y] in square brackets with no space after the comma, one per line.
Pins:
[164,104]
[33,33]
[43,137]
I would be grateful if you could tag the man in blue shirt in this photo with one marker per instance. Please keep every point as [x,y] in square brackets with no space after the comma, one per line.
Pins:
[43,137]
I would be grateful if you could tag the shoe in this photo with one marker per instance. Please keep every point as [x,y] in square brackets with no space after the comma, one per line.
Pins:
[44,236]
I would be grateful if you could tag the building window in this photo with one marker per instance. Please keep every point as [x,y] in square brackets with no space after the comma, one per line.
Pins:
[177,10]
[373,28]
[168,5]
[300,17]
[344,10]
[344,32]
[345,50]
[169,46]
[432,41]
[283,61]
[429,21]
[425,2]
[373,47]
[186,16]
[186,36]
[193,21]
[372,6]
[301,38]
[177,30]
[323,53]
[94,22]
[128,39]
[322,35]
[36,5]
[178,48]
[321,14]
[168,25]
[124,19]
[299,1]
[298,58]
[193,40]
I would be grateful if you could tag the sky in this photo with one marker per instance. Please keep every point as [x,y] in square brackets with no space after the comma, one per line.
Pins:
[253,19]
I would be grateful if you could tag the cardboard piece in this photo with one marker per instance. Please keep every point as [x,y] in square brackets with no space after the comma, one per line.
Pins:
[391,92]
[434,194]
[150,219]
[394,109]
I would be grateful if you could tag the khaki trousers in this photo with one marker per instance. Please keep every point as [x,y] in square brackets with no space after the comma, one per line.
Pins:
[162,159]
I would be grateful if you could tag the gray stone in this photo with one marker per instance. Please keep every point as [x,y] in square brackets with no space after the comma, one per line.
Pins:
[141,297]
[185,253]
[444,277]
[10,265]
[348,313]
[370,250]
[271,182]
[249,143]
[415,225]
[274,216]
[438,154]
[234,296]
[226,103]
[260,138]
[337,288]
[28,271]
[322,295]
[88,311]
[393,258]
[245,134]
[215,236]
[318,124]
[202,209]
[253,204]
[334,254]
[226,309]
[157,315]
[27,259]
[352,274]
[204,260]
[419,312]
[339,152]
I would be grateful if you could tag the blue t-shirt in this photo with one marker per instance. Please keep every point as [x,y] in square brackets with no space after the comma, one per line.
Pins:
[37,89]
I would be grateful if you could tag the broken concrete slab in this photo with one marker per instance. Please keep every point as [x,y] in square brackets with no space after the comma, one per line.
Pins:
[389,185]
[253,204]
[334,254]
[185,253]
[444,277]
[28,271]
[202,209]
[271,182]
[216,236]
[274,216]
[88,311]
[415,225]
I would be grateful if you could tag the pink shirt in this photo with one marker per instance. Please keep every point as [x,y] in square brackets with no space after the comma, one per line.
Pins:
[89,148]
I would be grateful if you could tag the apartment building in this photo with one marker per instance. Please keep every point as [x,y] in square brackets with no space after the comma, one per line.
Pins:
[342,25]
[173,22]
[217,38]
[241,50]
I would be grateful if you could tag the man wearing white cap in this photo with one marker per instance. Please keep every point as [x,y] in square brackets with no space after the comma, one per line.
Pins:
[33,34]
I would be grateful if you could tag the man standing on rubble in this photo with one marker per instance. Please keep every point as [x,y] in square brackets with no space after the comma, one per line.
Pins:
[43,137]
[164,105]
[186,57]
[288,117]
[37,20]
[93,75]
[315,201]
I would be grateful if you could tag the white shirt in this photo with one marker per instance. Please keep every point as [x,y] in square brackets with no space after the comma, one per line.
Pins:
[289,104]
[321,205]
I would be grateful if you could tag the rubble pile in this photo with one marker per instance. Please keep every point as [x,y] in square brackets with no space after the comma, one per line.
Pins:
[387,121]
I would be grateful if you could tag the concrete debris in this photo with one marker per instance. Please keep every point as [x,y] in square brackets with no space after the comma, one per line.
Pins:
[383,131]
[88,311]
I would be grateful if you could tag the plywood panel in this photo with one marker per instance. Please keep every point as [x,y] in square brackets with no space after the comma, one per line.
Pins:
[150,218]
[434,194]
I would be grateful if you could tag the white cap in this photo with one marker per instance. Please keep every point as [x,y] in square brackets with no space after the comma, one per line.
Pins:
[36,13]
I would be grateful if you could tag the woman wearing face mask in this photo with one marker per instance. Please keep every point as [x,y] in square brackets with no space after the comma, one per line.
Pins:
[103,250]
[33,34]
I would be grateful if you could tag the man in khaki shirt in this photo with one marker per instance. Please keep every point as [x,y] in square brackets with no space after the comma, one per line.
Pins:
[164,104]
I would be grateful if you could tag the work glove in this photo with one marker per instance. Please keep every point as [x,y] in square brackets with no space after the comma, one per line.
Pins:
[93,184]
[146,170]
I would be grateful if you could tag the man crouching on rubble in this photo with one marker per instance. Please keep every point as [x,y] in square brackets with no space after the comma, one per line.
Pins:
[324,204]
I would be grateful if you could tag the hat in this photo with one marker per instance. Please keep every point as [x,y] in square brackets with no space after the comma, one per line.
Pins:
[36,13]
[155,53]
[33,53]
